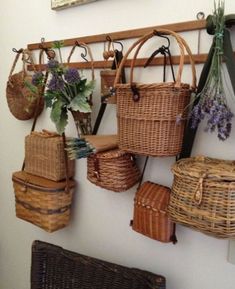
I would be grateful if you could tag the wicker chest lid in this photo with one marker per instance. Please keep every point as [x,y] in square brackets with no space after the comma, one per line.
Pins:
[111,154]
[35,181]
[153,196]
[201,166]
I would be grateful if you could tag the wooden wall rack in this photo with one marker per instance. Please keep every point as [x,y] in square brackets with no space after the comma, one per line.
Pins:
[127,34]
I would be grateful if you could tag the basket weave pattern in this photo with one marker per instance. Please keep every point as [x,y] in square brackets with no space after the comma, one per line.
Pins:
[56,268]
[150,217]
[44,156]
[148,127]
[113,170]
[46,207]
[203,196]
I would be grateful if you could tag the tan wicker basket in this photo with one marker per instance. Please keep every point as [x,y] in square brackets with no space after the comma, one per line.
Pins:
[150,216]
[113,170]
[42,202]
[203,195]
[22,102]
[147,113]
[44,156]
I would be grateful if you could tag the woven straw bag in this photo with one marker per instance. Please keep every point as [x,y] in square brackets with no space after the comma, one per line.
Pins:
[150,213]
[42,202]
[113,170]
[44,156]
[147,112]
[23,104]
[203,195]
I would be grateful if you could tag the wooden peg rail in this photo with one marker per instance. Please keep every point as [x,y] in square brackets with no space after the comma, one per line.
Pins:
[122,35]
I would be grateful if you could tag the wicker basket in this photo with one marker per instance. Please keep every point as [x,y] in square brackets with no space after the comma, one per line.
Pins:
[56,268]
[147,113]
[23,104]
[150,216]
[203,195]
[42,202]
[113,170]
[44,156]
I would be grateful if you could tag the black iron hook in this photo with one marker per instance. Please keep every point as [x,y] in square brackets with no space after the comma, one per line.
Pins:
[108,38]
[157,33]
[17,51]
[83,55]
[49,52]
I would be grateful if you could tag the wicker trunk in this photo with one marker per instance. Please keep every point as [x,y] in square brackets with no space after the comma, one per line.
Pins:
[203,195]
[150,216]
[44,156]
[42,202]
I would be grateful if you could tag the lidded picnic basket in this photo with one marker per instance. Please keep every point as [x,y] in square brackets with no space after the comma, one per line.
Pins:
[147,113]
[45,156]
[203,195]
[113,170]
[42,202]
[150,215]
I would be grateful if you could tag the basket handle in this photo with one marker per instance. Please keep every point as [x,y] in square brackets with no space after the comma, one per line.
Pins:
[140,42]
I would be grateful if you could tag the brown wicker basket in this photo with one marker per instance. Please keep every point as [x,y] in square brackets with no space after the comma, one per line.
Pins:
[150,216]
[42,202]
[147,113]
[203,195]
[113,170]
[23,104]
[44,156]
[57,268]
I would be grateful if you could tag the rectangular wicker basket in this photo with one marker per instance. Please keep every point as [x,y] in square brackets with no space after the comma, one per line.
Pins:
[42,202]
[150,216]
[44,156]
[203,195]
[56,268]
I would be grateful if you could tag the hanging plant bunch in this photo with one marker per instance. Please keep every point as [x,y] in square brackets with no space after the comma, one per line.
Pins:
[66,90]
[212,104]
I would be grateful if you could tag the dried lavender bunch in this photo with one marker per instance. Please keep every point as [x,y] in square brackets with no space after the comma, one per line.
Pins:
[213,105]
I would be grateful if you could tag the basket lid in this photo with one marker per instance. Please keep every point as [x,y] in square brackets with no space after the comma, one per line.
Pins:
[36,181]
[111,154]
[201,166]
[153,196]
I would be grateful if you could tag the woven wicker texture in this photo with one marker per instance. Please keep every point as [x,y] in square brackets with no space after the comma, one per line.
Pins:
[107,77]
[56,268]
[113,170]
[44,156]
[150,217]
[147,113]
[203,195]
[42,202]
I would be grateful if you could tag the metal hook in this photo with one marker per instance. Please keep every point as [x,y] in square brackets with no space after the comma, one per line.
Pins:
[200,15]
[157,33]
[49,52]
[17,51]
[108,38]
[83,55]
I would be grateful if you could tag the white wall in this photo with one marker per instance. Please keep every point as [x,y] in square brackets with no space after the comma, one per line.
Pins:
[100,223]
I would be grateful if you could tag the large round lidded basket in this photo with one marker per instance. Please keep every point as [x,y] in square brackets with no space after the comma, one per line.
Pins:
[203,195]
[113,170]
[147,112]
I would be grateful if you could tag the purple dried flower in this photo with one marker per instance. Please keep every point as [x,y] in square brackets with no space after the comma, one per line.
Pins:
[52,64]
[56,83]
[37,78]
[72,76]
[197,114]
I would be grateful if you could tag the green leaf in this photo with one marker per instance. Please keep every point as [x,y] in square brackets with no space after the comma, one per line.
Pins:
[49,97]
[89,88]
[31,87]
[80,104]
[63,121]
[56,111]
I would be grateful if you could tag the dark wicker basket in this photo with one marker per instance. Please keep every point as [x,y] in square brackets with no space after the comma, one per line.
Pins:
[56,268]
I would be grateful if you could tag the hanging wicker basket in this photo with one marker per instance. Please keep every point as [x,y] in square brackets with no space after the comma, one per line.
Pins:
[147,113]
[203,195]
[113,170]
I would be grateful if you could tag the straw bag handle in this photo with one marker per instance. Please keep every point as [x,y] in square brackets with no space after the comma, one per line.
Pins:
[26,58]
[182,45]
